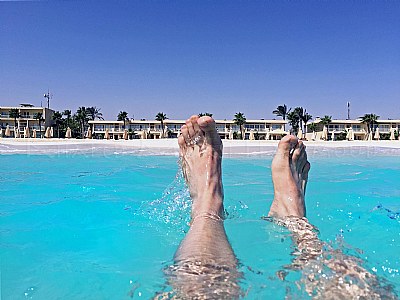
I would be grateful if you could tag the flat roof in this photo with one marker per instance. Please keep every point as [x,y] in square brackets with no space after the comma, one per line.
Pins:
[168,121]
[355,121]
[105,122]
[24,107]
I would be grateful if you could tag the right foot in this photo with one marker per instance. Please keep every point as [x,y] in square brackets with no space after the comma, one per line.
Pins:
[201,154]
[289,175]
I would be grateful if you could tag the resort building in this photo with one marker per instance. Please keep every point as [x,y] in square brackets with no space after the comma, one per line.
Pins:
[146,129]
[340,129]
[26,119]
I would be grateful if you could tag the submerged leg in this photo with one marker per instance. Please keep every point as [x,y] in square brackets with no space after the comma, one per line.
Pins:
[205,265]
[326,273]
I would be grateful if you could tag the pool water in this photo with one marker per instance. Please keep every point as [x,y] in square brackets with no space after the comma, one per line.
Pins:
[87,226]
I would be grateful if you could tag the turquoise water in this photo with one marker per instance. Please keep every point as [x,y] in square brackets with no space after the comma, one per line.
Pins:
[80,226]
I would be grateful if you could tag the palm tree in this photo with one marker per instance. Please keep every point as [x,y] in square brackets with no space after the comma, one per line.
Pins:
[94,113]
[57,118]
[240,120]
[161,117]
[39,116]
[123,116]
[326,120]
[75,126]
[282,111]
[81,117]
[14,113]
[370,120]
[313,127]
[306,118]
[294,120]
[300,113]
[205,114]
[68,114]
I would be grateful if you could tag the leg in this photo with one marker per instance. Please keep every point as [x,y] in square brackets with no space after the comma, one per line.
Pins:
[326,273]
[205,265]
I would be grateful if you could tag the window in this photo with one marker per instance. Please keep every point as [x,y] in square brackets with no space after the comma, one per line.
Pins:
[276,127]
[136,127]
[174,126]
[98,127]
[336,127]
[25,114]
[384,128]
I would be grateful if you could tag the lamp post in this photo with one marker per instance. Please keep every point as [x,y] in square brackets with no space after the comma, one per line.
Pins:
[48,96]
[348,110]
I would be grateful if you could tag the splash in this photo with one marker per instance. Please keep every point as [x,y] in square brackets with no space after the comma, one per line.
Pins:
[171,211]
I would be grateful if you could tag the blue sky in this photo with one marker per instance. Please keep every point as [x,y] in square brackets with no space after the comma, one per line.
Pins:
[186,57]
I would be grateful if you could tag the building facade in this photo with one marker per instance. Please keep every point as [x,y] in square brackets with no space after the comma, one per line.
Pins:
[27,114]
[338,129]
[151,129]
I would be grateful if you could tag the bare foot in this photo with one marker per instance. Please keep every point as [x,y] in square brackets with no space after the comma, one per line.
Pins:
[289,174]
[201,155]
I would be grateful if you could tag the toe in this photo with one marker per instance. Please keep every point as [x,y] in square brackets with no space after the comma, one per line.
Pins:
[181,143]
[194,121]
[302,161]
[206,123]
[306,169]
[190,128]
[304,176]
[297,152]
[287,143]
[185,133]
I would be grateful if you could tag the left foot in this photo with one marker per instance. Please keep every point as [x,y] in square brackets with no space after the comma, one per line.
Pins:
[201,155]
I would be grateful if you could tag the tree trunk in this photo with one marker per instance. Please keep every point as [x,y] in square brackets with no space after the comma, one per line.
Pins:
[284,125]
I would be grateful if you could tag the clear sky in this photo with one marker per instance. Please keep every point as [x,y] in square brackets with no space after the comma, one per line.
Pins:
[187,57]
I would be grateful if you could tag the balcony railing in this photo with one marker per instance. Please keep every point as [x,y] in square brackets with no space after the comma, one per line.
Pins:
[30,117]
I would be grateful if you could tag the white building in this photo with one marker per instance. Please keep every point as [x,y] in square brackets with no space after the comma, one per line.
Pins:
[151,129]
[27,114]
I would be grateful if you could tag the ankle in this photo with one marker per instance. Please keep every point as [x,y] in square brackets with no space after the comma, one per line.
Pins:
[206,216]
[201,207]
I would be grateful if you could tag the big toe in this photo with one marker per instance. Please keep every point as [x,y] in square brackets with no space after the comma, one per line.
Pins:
[206,123]
[287,143]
